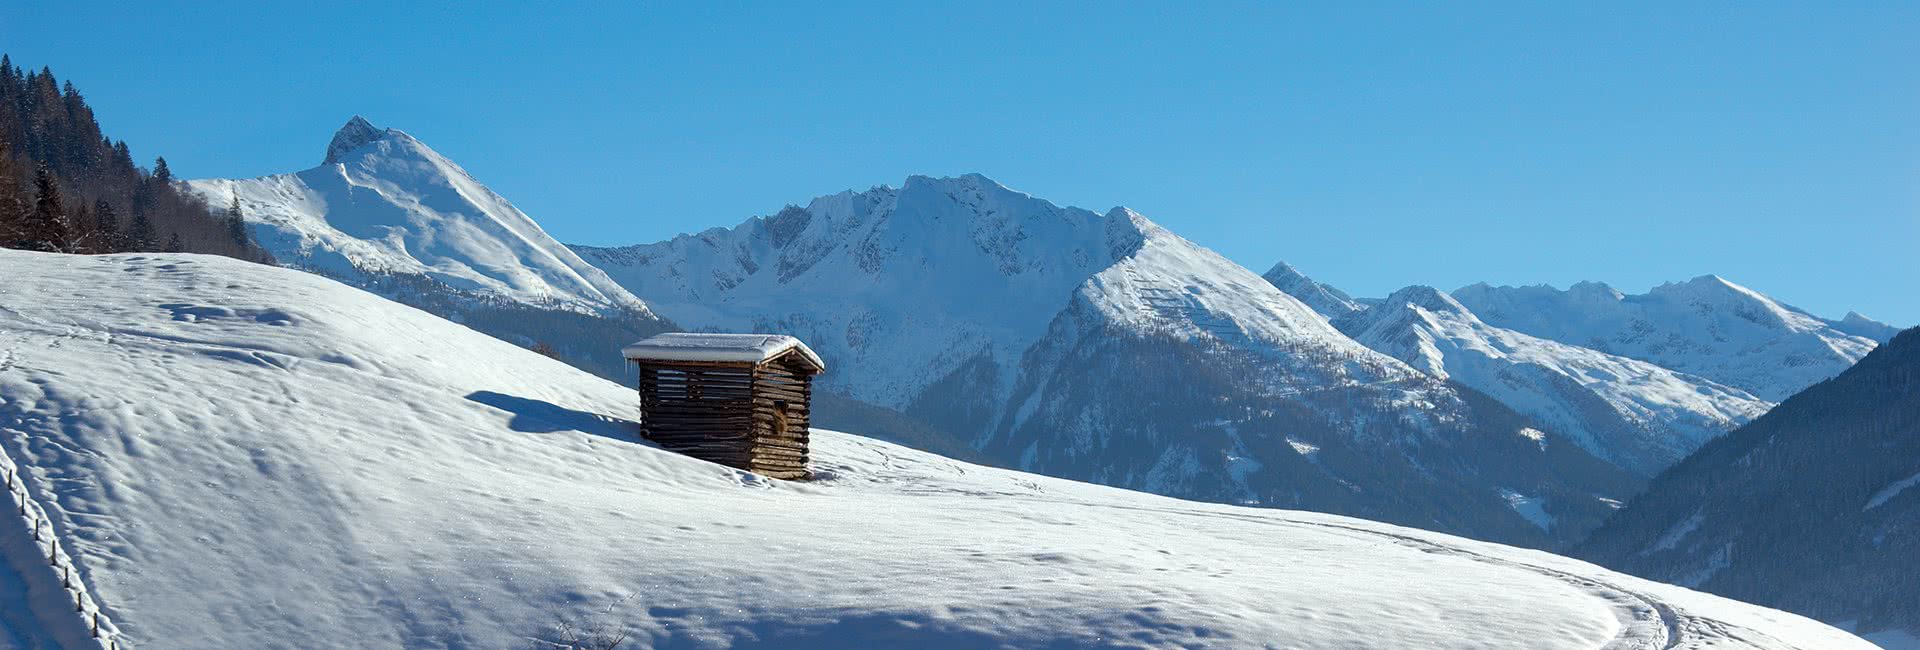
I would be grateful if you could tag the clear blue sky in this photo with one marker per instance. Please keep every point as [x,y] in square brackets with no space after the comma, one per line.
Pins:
[1373,146]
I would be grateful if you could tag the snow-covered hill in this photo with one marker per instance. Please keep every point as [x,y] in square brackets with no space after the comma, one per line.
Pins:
[1706,326]
[1639,415]
[1103,347]
[240,456]
[383,202]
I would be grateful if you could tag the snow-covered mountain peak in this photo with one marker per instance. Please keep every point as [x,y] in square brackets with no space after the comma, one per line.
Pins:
[886,281]
[386,204]
[356,133]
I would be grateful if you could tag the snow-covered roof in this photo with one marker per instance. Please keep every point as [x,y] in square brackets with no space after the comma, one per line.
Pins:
[692,346]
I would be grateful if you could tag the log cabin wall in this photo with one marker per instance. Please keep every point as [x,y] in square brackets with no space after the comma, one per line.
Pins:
[748,416]
[698,409]
[782,406]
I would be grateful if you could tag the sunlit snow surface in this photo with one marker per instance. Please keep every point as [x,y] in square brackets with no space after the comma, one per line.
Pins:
[250,457]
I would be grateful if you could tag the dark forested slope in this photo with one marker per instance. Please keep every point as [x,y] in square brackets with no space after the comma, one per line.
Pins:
[67,187]
[1814,507]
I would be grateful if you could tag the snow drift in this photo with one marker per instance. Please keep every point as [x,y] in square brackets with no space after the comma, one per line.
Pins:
[241,456]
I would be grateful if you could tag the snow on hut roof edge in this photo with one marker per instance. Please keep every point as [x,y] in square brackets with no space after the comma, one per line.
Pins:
[727,348]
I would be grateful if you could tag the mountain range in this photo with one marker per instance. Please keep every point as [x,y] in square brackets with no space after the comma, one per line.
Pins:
[1099,345]
[1638,415]
[1105,348]
[1707,326]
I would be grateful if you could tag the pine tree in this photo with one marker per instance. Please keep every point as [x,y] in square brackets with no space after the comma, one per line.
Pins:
[13,202]
[161,174]
[107,223]
[236,223]
[140,235]
[46,228]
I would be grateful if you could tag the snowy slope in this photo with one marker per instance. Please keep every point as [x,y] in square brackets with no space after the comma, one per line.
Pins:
[1634,413]
[1323,298]
[1102,347]
[1706,326]
[383,202]
[248,457]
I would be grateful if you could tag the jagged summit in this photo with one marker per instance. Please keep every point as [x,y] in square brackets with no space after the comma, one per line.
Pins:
[356,133]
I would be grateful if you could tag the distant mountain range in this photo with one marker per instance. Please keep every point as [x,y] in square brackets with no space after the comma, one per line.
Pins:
[1813,507]
[1100,346]
[1636,414]
[1706,326]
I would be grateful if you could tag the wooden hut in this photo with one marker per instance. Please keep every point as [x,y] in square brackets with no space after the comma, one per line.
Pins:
[741,400]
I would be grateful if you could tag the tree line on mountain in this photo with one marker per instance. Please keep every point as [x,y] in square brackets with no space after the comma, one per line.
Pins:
[66,187]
